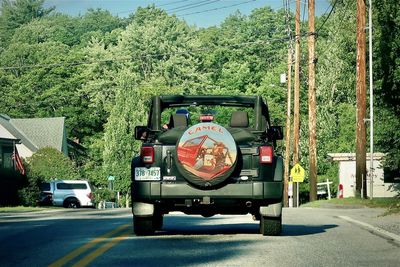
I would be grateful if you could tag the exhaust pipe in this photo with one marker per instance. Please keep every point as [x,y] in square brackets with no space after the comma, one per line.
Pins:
[249,204]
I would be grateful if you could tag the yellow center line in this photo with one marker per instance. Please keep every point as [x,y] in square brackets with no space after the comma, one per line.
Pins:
[75,253]
[89,258]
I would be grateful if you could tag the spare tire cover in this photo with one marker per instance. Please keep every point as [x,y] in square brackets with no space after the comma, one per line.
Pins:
[206,154]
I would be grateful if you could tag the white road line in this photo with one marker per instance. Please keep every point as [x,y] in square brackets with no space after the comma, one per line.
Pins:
[375,229]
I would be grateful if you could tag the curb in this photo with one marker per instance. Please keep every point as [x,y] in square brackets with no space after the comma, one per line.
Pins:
[373,229]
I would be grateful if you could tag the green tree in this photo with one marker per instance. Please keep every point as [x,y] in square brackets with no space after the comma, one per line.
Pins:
[387,80]
[57,28]
[16,13]
[335,83]
[155,66]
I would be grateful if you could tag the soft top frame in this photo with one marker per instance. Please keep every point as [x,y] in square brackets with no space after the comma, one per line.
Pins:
[161,102]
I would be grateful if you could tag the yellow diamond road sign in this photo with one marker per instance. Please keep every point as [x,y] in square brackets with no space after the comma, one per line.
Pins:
[297,173]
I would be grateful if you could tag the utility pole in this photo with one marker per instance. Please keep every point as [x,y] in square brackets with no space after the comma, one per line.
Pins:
[288,122]
[371,106]
[361,169]
[296,123]
[312,113]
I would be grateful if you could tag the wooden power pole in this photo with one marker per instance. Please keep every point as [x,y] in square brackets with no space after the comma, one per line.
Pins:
[312,105]
[296,119]
[288,122]
[361,168]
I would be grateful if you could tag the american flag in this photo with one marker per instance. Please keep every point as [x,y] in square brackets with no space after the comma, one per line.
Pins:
[18,162]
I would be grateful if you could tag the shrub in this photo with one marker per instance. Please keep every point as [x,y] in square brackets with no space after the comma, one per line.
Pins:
[104,194]
[45,165]
[50,164]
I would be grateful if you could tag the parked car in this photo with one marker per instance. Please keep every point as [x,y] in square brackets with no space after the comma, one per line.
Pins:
[67,193]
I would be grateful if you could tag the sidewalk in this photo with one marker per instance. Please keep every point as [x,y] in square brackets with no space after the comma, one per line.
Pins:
[372,216]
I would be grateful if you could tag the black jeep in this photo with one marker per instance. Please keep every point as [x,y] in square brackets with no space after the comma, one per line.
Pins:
[207,155]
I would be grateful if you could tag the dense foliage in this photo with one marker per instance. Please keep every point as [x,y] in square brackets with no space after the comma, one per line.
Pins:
[99,70]
[46,164]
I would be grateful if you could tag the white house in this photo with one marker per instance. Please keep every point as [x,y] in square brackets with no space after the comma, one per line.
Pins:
[347,174]
[29,135]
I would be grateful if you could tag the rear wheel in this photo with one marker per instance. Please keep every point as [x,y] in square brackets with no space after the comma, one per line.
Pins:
[270,226]
[71,203]
[143,225]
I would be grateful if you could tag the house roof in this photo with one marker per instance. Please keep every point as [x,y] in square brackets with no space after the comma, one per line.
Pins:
[43,132]
[5,122]
[352,156]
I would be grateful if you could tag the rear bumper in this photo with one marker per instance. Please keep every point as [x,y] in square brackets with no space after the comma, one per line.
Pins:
[153,191]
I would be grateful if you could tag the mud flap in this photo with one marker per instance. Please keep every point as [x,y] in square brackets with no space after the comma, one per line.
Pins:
[273,210]
[142,209]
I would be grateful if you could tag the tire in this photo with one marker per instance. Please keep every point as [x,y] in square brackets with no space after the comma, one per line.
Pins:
[270,226]
[143,226]
[71,204]
[206,155]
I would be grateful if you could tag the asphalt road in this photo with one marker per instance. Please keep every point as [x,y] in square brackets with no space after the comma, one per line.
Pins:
[311,237]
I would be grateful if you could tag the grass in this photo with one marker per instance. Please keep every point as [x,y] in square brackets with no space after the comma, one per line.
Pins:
[23,209]
[392,205]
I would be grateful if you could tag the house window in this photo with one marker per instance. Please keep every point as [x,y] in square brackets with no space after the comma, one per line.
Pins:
[6,153]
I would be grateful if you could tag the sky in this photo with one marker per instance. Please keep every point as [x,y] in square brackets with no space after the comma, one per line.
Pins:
[202,13]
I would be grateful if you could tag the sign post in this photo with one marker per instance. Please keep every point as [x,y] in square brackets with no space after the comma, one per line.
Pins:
[290,194]
[111,182]
[297,173]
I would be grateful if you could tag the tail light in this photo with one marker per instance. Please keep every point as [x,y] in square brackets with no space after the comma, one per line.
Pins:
[147,154]
[266,154]
[90,195]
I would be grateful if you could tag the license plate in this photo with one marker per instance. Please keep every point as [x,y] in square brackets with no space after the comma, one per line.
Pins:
[147,174]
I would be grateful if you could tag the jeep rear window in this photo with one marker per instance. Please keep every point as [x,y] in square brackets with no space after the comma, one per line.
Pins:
[221,114]
[64,186]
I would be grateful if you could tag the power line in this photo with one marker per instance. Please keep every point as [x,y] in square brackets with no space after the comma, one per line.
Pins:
[191,5]
[330,12]
[89,62]
[217,8]
[304,10]
[166,4]
[286,6]
[173,3]
[198,5]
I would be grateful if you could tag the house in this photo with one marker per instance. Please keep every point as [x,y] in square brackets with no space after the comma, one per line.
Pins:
[29,135]
[347,173]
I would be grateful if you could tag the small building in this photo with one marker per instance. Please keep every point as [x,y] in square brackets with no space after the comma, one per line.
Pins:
[347,176]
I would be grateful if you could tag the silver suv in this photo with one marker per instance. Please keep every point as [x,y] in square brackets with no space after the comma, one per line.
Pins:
[69,193]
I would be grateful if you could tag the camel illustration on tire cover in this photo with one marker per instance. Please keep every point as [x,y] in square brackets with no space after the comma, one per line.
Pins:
[207,150]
